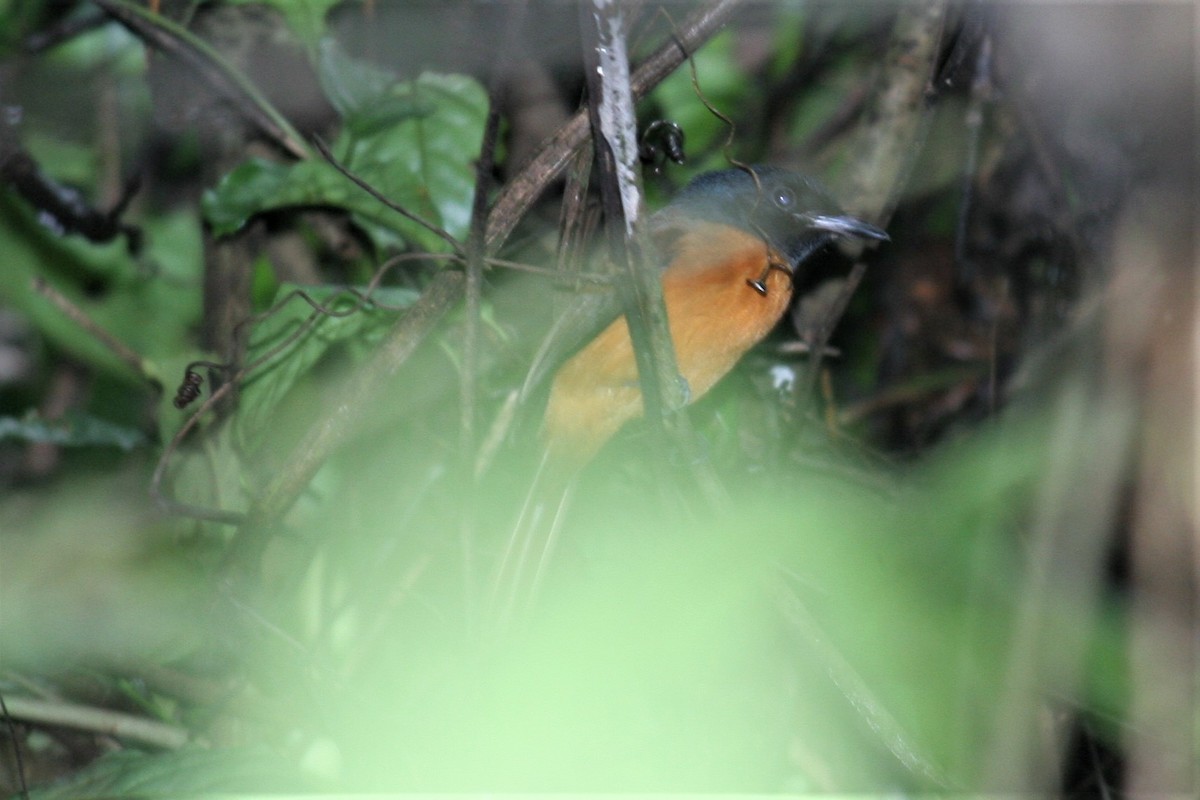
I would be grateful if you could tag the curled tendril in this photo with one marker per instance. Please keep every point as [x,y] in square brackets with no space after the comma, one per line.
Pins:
[759,284]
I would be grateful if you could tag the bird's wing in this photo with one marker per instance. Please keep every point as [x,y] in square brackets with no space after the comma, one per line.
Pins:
[592,310]
[595,307]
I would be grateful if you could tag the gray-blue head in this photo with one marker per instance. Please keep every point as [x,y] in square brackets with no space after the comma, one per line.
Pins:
[794,213]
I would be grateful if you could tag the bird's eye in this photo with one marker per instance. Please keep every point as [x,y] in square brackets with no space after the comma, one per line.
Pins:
[784,198]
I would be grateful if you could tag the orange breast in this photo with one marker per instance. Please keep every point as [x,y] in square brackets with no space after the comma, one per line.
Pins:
[714,317]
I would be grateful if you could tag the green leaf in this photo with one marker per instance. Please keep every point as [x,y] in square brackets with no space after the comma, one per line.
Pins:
[266,387]
[253,186]
[416,144]
[367,97]
[152,303]
[428,162]
[73,430]
[74,163]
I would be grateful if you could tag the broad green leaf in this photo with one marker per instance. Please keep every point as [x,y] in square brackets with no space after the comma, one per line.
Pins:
[367,97]
[72,163]
[427,162]
[415,143]
[257,185]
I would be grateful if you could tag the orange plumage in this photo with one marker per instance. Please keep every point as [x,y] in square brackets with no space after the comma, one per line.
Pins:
[731,241]
[724,233]
[714,314]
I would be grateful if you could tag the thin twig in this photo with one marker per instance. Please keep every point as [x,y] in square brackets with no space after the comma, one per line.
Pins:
[610,110]
[98,720]
[476,250]
[819,343]
[476,257]
[442,234]
[18,758]
[169,504]
[858,693]
[327,435]
[568,275]
[981,97]
[122,351]
[885,148]
[887,145]
[64,30]
[363,298]
[554,156]
[163,34]
[574,222]
[474,279]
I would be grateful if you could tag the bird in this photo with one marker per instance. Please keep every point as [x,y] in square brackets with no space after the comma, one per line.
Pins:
[731,243]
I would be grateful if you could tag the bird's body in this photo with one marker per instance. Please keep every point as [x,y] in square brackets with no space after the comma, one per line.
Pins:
[730,242]
[714,315]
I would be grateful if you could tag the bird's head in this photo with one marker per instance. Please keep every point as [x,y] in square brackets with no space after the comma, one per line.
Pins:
[793,213]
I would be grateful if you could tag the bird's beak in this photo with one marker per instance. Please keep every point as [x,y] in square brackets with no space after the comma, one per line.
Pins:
[846,226]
